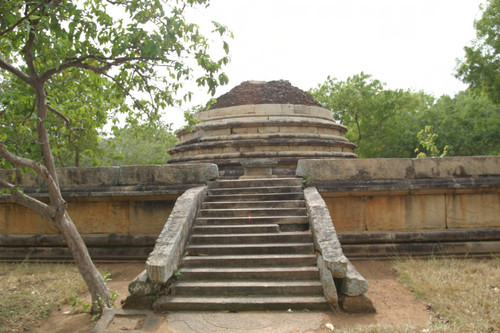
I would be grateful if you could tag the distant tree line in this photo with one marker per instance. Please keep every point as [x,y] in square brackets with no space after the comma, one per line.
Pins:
[387,123]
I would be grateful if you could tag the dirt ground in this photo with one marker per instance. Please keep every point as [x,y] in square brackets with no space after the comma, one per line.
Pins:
[394,303]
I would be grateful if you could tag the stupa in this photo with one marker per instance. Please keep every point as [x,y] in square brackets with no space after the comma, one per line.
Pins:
[257,120]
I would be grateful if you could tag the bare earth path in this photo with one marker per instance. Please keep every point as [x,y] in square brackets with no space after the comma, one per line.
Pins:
[394,304]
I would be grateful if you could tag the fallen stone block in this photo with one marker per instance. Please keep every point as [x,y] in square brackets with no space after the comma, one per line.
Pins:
[354,284]
[356,304]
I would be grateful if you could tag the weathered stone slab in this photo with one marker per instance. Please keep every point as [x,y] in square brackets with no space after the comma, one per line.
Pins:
[258,168]
[457,167]
[329,289]
[354,284]
[355,169]
[398,168]
[476,210]
[324,234]
[167,254]
[405,212]
[356,304]
[95,177]
[168,174]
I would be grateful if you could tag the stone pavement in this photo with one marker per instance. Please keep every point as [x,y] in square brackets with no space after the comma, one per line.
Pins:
[117,320]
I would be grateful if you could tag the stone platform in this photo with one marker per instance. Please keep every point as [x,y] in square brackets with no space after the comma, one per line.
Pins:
[262,128]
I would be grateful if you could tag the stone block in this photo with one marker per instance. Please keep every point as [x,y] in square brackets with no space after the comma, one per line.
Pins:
[405,212]
[455,167]
[269,129]
[268,109]
[329,289]
[190,173]
[167,254]
[95,217]
[356,304]
[355,169]
[148,217]
[320,112]
[17,219]
[354,284]
[142,286]
[477,210]
[324,234]
[301,109]
[244,130]
[347,213]
[95,176]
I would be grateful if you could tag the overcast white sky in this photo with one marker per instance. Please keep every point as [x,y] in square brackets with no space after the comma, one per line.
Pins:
[405,43]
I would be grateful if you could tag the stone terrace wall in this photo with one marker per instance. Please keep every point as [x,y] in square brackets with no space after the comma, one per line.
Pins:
[408,194]
[127,200]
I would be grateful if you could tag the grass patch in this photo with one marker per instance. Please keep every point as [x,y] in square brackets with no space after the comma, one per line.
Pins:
[29,291]
[463,295]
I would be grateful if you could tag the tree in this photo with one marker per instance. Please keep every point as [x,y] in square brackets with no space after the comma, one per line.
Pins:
[380,121]
[137,144]
[426,139]
[143,55]
[467,124]
[481,66]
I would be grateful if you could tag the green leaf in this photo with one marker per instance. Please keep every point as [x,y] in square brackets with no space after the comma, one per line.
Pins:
[11,18]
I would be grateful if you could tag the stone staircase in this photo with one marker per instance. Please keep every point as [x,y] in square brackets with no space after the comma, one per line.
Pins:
[250,250]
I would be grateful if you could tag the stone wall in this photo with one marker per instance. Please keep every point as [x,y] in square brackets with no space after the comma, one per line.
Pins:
[408,194]
[128,200]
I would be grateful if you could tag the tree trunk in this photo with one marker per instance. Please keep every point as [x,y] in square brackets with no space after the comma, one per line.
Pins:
[94,280]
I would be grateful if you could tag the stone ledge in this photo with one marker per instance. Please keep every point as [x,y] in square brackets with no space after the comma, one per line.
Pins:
[262,136]
[405,186]
[109,177]
[272,154]
[280,143]
[398,168]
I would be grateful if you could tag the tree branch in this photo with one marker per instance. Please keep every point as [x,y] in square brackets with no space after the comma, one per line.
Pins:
[24,18]
[20,198]
[25,162]
[27,49]
[64,118]
[136,102]
[79,63]
[17,72]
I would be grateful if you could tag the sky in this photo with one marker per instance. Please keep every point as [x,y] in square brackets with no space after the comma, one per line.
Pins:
[408,44]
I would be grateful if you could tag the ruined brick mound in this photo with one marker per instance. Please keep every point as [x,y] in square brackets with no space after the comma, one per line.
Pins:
[257,92]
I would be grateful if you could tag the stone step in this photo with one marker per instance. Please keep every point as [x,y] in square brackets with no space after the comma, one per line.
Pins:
[235,229]
[252,220]
[246,212]
[254,190]
[264,248]
[254,204]
[247,288]
[251,273]
[247,303]
[255,197]
[262,182]
[282,237]
[263,260]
